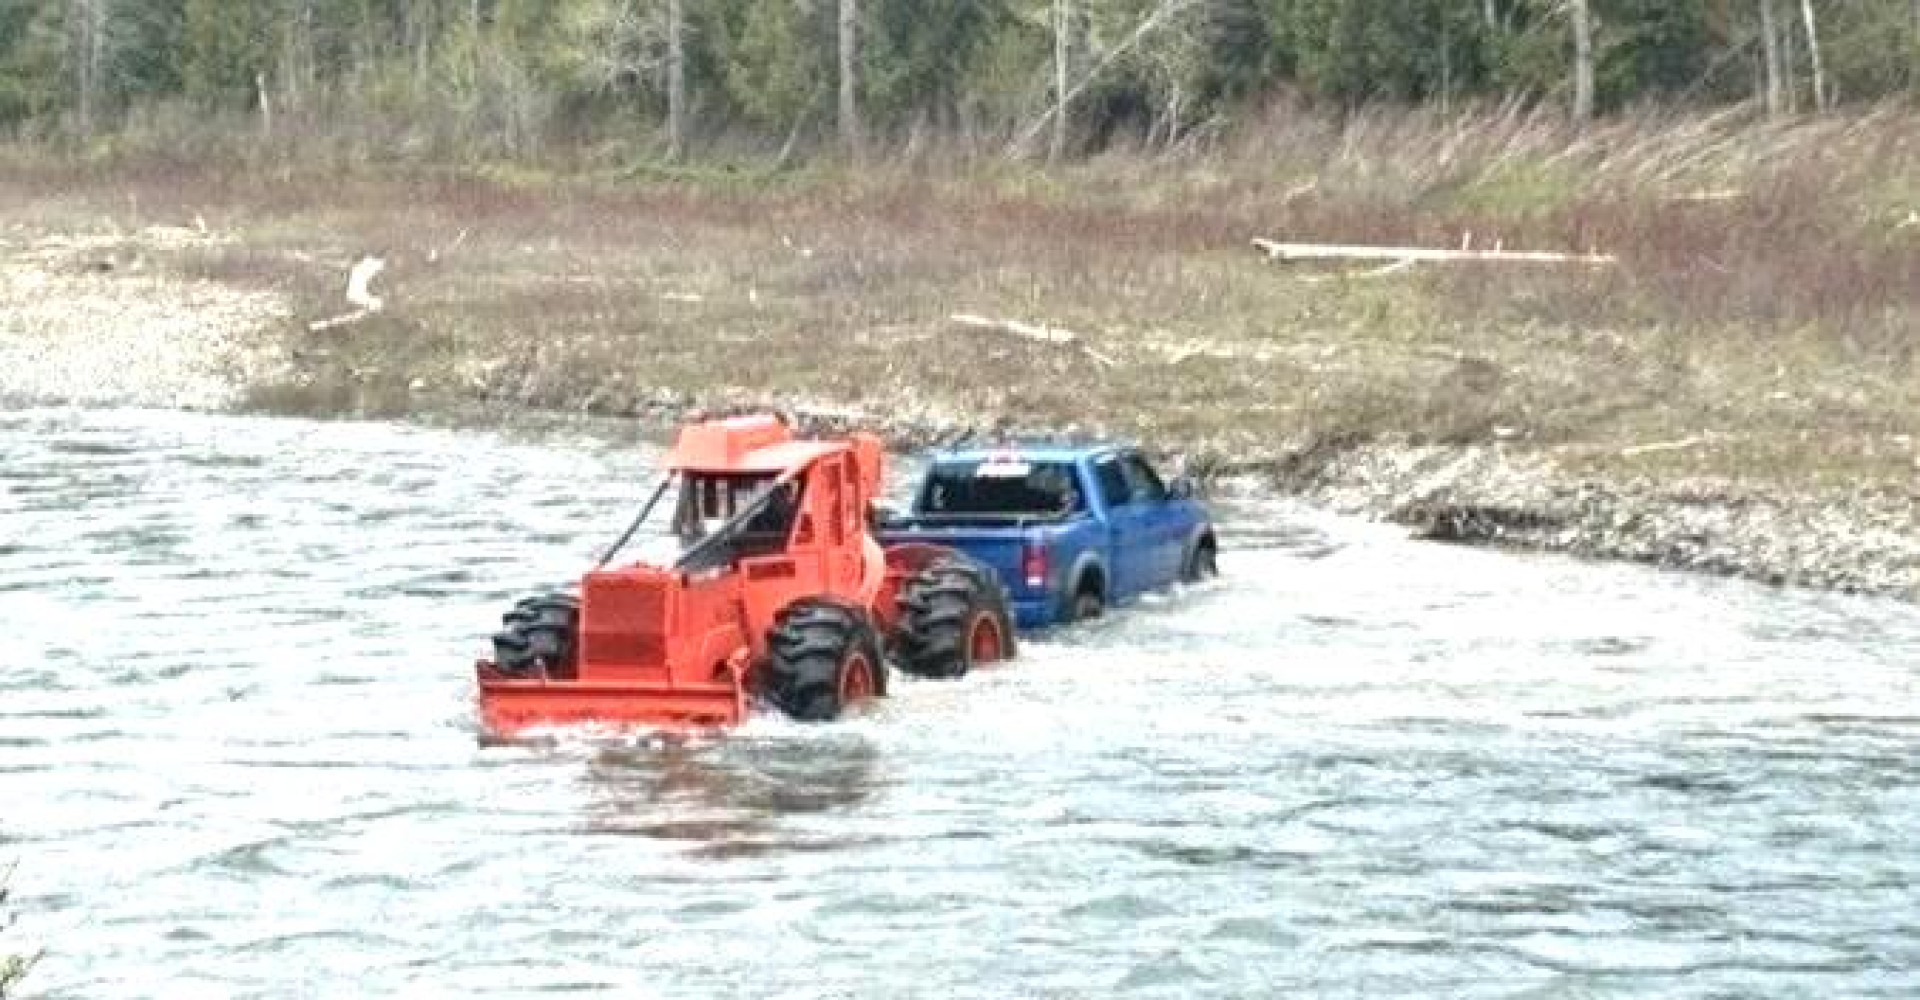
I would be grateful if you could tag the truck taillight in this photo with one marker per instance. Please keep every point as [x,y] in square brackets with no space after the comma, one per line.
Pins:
[1033,563]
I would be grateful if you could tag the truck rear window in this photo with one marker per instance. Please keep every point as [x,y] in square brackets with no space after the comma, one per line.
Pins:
[1016,488]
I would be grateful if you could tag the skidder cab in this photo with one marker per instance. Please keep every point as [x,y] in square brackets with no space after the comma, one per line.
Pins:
[779,593]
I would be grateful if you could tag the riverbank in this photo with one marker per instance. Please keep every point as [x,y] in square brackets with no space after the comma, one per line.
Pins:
[1720,400]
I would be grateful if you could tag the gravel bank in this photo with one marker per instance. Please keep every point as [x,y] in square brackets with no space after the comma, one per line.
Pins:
[83,322]
[1862,541]
[1858,541]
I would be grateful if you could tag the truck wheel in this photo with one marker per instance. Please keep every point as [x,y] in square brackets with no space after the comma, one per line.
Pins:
[823,657]
[540,638]
[1203,563]
[954,615]
[1087,604]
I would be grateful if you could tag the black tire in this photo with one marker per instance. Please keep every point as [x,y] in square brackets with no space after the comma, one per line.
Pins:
[1087,603]
[540,637]
[941,607]
[1203,563]
[811,651]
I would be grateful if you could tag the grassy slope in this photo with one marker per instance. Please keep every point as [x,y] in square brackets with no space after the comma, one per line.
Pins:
[1760,331]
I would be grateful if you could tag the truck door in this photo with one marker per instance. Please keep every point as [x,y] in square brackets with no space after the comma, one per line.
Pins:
[1164,530]
[1129,558]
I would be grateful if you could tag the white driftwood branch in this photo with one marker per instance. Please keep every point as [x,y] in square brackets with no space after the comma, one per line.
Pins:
[1660,446]
[1332,251]
[358,294]
[1013,327]
[1033,332]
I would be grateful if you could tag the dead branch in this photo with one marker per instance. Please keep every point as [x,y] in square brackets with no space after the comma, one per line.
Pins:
[1033,332]
[1013,327]
[1330,251]
[1660,446]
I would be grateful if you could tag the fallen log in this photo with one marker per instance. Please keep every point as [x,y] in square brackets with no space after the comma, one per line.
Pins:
[1332,251]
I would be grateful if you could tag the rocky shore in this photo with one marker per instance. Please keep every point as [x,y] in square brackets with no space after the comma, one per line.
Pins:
[1858,541]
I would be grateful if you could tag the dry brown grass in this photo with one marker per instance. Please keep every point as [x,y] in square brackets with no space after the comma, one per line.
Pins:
[1767,301]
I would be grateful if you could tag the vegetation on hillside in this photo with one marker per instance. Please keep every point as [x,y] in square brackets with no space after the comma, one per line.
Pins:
[633,79]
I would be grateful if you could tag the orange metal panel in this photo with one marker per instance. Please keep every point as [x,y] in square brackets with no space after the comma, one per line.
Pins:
[509,708]
[722,444]
[626,621]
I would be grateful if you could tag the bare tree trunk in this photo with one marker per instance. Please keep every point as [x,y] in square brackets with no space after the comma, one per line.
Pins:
[266,104]
[1062,52]
[1057,110]
[1492,15]
[1582,61]
[849,58]
[420,26]
[1770,45]
[1813,56]
[88,18]
[1789,59]
[298,63]
[676,82]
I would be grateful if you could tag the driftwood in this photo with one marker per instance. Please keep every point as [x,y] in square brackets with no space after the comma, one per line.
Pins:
[1013,327]
[358,294]
[1030,331]
[1333,251]
[1660,446]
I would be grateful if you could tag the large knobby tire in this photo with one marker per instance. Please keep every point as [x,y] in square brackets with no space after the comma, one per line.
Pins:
[822,657]
[954,616]
[540,638]
[1203,563]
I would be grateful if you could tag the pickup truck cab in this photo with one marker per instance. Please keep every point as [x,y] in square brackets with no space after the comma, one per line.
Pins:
[1070,531]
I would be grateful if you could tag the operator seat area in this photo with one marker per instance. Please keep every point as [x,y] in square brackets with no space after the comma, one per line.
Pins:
[709,500]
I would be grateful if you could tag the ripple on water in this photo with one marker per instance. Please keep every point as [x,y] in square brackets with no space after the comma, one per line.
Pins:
[237,744]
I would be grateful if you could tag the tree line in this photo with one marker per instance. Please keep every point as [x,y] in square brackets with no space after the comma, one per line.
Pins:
[1047,76]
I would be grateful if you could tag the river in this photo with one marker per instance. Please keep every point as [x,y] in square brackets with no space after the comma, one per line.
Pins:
[238,759]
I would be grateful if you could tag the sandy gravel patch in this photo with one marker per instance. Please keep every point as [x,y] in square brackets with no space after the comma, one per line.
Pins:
[81,322]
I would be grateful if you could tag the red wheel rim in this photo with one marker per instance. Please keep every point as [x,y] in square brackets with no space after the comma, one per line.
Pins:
[856,679]
[984,642]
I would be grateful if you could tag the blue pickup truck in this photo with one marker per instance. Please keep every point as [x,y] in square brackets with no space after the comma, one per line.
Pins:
[1071,531]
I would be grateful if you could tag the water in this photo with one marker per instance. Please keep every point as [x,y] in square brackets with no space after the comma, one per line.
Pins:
[237,759]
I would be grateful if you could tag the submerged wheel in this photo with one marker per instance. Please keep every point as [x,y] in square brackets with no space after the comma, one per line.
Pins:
[1087,604]
[954,616]
[823,656]
[540,637]
[1203,563]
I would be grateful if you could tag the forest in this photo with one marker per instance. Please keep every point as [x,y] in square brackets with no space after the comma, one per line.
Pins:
[462,79]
